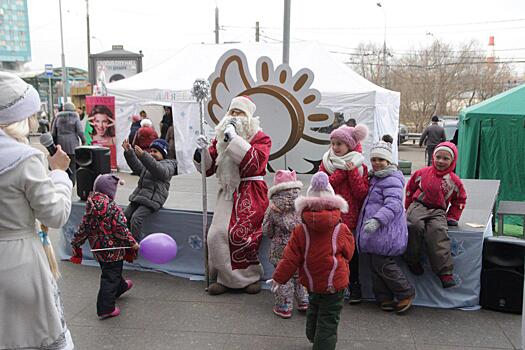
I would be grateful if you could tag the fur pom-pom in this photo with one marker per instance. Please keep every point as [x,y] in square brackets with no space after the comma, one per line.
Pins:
[360,132]
[319,182]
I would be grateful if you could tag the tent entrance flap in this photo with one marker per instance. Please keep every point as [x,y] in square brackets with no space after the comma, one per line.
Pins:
[502,157]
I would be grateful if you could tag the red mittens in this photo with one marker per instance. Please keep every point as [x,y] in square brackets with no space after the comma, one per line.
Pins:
[130,255]
[77,256]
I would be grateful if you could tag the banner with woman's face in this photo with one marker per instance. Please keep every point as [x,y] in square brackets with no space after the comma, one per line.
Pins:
[101,120]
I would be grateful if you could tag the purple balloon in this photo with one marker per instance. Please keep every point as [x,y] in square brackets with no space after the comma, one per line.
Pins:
[159,248]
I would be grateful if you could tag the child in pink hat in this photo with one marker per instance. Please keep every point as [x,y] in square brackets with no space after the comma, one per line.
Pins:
[343,163]
[104,226]
[279,221]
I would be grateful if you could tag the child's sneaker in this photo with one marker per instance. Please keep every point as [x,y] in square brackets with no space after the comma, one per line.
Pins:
[355,293]
[130,285]
[388,305]
[302,306]
[403,305]
[284,312]
[114,313]
[447,280]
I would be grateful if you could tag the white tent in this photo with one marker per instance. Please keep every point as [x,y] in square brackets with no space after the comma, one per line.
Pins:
[169,83]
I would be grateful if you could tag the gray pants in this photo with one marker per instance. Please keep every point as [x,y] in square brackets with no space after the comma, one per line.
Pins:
[135,214]
[430,154]
[388,280]
[429,226]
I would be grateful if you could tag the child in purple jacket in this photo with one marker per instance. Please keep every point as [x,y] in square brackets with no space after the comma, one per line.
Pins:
[382,230]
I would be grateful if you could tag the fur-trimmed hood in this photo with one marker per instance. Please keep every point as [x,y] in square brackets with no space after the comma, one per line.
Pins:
[284,186]
[321,203]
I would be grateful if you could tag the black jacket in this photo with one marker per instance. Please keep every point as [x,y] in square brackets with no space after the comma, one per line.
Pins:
[154,183]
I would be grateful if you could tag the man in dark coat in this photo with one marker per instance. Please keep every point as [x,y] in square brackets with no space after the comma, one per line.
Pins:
[433,135]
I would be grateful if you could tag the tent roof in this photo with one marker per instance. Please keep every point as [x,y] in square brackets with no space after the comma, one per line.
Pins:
[510,102]
[199,60]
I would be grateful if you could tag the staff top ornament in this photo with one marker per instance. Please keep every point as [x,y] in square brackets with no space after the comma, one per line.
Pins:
[201,90]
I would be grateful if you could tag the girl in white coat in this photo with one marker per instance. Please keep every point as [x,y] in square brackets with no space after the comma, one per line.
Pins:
[31,314]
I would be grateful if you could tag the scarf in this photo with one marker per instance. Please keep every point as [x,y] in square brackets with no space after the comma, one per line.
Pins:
[389,170]
[331,162]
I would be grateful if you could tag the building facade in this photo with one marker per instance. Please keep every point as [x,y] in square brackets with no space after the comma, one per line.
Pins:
[15,45]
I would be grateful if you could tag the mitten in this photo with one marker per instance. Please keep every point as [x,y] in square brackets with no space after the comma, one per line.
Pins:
[77,256]
[230,132]
[371,225]
[130,255]
[452,222]
[202,142]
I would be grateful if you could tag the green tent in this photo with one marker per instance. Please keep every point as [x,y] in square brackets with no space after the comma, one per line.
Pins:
[492,142]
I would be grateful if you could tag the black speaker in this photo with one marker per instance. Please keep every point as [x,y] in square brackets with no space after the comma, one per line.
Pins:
[91,162]
[502,274]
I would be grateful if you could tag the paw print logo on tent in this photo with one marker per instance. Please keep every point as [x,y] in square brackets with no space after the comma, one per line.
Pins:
[288,107]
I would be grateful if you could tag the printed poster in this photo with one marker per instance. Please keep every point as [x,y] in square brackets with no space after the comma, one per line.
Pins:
[101,124]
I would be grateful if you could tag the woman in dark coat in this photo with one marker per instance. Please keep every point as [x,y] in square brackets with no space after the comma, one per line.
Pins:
[68,132]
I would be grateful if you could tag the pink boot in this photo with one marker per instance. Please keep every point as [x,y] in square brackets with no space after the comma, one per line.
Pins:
[114,313]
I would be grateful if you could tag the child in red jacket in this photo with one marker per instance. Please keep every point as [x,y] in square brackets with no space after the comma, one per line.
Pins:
[343,163]
[435,197]
[320,247]
[104,225]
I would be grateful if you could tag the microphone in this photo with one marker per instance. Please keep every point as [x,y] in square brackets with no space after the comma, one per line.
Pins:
[232,123]
[46,140]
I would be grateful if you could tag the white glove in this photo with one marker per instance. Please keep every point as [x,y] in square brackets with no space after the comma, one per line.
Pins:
[275,285]
[202,142]
[230,132]
[371,226]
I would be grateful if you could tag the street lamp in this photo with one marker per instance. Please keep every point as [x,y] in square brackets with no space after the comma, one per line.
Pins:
[384,44]
[64,78]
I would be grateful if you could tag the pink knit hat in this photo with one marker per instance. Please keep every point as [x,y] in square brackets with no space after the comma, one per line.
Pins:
[350,136]
[107,184]
[284,180]
[320,186]
[284,176]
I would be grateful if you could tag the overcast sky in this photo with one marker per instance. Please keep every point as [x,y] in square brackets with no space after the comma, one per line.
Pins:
[161,27]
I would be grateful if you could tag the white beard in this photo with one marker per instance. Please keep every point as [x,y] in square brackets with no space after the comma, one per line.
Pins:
[227,170]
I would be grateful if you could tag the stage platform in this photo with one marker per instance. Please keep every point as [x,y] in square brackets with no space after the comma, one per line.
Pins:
[182,219]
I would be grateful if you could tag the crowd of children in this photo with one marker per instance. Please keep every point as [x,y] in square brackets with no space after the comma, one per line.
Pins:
[346,203]
[315,239]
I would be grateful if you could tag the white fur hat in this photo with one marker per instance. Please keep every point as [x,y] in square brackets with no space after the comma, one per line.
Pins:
[146,122]
[18,99]
[243,103]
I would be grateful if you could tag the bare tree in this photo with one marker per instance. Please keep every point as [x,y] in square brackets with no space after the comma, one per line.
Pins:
[438,79]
